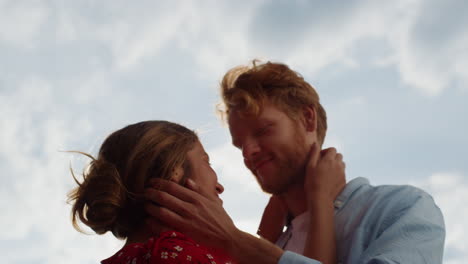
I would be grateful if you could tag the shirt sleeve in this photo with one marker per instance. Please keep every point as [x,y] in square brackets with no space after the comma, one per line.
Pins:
[412,230]
[289,257]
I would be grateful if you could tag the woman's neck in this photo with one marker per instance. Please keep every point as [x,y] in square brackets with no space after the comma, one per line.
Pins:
[144,233]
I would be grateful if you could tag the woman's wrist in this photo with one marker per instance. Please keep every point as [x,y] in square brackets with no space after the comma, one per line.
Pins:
[319,201]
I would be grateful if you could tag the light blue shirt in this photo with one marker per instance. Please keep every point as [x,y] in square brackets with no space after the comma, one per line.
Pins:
[384,224]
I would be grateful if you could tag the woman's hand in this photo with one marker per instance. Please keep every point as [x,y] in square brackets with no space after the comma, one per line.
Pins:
[325,179]
[273,219]
[325,176]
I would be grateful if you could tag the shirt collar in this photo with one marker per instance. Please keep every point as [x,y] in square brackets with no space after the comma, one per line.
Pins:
[349,189]
[300,221]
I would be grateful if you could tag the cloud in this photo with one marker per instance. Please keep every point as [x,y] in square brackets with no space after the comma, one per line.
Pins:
[136,37]
[450,191]
[243,198]
[431,44]
[21,22]
[421,39]
[35,177]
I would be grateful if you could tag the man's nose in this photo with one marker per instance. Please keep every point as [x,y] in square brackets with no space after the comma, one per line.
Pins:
[250,149]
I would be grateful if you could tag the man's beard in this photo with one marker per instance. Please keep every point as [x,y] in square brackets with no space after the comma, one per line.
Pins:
[288,174]
[291,169]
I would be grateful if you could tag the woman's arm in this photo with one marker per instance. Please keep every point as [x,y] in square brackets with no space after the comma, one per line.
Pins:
[325,179]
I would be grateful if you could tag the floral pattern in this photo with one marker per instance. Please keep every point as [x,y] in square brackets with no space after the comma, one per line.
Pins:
[169,248]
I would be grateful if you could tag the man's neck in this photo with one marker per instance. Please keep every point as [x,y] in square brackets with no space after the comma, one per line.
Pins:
[295,199]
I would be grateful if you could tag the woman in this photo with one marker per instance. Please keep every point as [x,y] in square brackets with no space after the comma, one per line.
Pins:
[110,198]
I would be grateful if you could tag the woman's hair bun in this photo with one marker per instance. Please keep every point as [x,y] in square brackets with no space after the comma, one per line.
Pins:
[98,199]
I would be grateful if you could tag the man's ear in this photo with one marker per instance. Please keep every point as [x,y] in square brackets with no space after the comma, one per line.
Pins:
[309,116]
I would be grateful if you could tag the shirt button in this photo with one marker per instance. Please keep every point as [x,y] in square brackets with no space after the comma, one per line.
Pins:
[338,203]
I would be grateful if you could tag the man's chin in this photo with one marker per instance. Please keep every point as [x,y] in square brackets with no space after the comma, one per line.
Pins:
[274,190]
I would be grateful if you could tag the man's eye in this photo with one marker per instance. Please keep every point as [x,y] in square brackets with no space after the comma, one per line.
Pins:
[263,130]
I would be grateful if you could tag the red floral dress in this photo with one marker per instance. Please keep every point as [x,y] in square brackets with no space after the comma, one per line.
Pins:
[170,247]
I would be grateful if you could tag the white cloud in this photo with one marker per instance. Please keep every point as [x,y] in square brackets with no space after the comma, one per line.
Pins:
[243,198]
[218,36]
[139,37]
[330,39]
[450,192]
[21,22]
[35,176]
[229,163]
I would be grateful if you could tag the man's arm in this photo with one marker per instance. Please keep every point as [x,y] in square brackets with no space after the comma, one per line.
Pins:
[207,222]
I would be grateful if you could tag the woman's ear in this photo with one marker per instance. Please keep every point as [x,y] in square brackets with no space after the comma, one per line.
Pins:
[177,174]
[309,118]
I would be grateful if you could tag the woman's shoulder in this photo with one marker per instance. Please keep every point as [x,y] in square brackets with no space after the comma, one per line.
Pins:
[168,248]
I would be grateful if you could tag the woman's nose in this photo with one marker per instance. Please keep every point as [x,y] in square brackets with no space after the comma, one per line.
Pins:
[219,188]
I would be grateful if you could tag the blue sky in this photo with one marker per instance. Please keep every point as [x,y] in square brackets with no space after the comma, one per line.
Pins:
[392,76]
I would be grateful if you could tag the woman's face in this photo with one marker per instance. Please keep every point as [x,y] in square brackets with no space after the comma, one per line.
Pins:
[202,173]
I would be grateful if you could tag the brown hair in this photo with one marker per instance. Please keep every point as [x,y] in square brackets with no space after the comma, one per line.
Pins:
[246,88]
[110,196]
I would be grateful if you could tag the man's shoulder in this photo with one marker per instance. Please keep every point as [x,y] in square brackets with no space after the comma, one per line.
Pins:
[389,193]
[400,192]
[389,200]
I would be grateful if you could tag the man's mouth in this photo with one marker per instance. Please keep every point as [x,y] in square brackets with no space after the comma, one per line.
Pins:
[262,162]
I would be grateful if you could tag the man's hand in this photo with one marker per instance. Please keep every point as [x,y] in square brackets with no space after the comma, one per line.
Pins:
[190,212]
[206,222]
[325,175]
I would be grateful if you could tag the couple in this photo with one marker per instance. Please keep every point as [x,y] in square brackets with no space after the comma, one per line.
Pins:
[152,185]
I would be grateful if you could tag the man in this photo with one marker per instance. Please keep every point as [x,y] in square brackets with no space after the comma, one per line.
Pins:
[275,118]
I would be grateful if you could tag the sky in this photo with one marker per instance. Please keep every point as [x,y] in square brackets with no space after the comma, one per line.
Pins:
[392,76]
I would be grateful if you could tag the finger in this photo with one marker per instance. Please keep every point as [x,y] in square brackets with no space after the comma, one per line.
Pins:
[159,183]
[192,185]
[339,157]
[314,155]
[168,201]
[329,153]
[177,190]
[154,182]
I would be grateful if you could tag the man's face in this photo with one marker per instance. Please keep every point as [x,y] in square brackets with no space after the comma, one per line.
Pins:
[273,146]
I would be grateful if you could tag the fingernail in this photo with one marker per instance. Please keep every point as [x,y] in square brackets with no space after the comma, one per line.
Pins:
[190,182]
